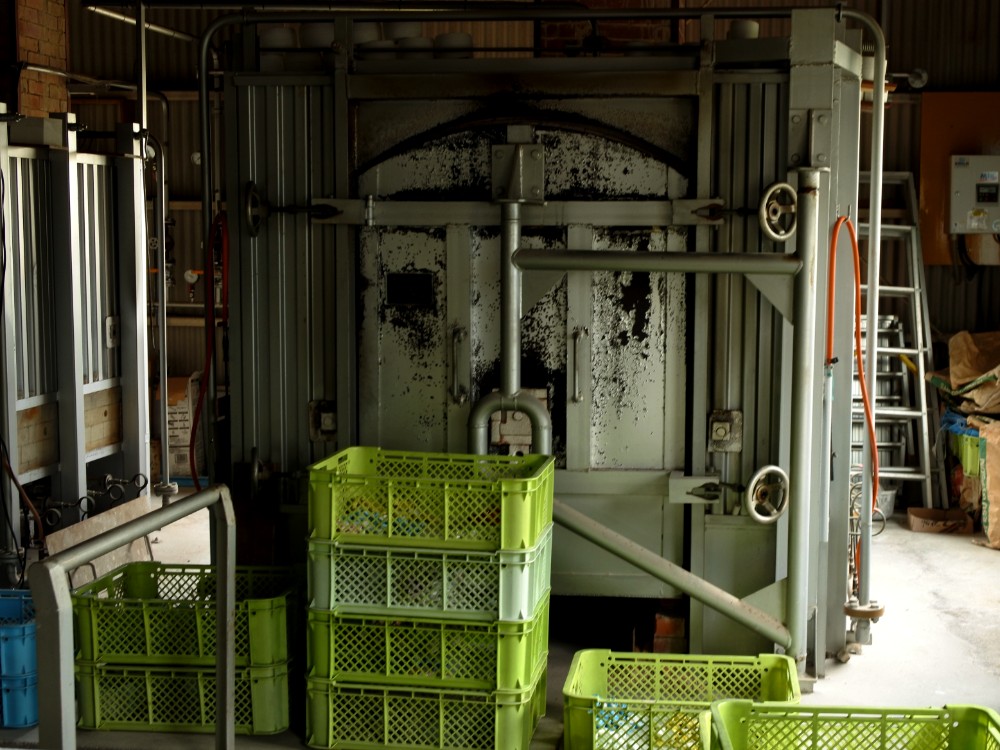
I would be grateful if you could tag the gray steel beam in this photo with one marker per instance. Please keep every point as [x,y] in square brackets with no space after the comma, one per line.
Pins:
[611,260]
[671,573]
[802,460]
[639,213]
[69,310]
[133,278]
[50,590]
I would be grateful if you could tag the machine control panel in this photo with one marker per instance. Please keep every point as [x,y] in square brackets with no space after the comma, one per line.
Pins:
[975,195]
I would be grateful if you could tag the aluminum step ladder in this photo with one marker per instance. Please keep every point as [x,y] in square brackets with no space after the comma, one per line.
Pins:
[916,412]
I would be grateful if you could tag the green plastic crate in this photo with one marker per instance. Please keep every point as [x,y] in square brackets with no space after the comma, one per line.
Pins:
[373,717]
[428,652]
[441,500]
[742,725]
[164,699]
[652,701]
[399,582]
[151,613]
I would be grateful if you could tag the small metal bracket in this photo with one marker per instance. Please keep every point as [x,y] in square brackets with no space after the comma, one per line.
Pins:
[683,489]
[820,137]
[322,421]
[112,336]
[725,431]
[519,173]
[698,211]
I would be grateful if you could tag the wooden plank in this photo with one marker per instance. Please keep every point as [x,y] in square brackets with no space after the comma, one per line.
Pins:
[137,551]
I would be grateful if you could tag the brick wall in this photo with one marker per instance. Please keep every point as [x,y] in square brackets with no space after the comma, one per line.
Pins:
[613,37]
[41,39]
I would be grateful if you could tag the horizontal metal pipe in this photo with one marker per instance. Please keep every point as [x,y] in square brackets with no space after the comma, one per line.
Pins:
[538,415]
[664,570]
[443,11]
[613,260]
[155,28]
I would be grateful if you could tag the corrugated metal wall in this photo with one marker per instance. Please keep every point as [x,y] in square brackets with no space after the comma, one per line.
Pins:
[955,42]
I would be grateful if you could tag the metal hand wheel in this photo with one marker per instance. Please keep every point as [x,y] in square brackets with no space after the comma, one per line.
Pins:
[766,497]
[777,212]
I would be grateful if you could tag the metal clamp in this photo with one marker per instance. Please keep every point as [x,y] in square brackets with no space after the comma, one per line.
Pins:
[578,333]
[766,497]
[779,202]
[459,393]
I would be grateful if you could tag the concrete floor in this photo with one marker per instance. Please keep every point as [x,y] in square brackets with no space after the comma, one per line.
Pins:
[938,643]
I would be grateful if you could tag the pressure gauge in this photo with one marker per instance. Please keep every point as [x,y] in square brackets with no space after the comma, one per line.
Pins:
[191,276]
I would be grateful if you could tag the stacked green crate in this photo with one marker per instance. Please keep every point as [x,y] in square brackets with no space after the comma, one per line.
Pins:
[429,599]
[146,649]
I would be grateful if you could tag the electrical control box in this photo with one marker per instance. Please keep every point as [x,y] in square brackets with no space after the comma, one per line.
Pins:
[975,195]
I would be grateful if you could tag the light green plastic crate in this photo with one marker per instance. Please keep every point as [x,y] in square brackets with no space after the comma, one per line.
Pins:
[400,582]
[151,613]
[614,701]
[164,699]
[374,717]
[428,652]
[442,500]
[742,725]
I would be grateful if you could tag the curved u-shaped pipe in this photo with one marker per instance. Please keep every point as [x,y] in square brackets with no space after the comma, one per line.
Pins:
[538,415]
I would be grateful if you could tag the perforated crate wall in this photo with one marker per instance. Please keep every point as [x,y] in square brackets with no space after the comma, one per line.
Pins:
[163,699]
[623,700]
[442,500]
[428,653]
[391,581]
[17,633]
[150,613]
[742,725]
[363,717]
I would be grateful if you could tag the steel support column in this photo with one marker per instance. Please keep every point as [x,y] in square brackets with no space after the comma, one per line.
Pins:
[133,278]
[802,459]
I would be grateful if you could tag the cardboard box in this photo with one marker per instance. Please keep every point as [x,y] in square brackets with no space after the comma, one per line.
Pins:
[934,521]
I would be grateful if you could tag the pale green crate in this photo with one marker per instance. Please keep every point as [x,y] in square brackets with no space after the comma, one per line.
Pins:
[401,582]
[179,699]
[442,500]
[743,725]
[370,717]
[439,653]
[614,701]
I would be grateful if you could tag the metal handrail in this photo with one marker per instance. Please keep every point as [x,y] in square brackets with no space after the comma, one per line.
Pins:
[50,590]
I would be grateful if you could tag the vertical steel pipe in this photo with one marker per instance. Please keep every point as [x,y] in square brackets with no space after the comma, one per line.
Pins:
[804,374]
[160,233]
[871,338]
[510,303]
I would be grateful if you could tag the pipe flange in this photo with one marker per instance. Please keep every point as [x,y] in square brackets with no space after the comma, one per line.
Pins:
[165,489]
[776,206]
[766,496]
[871,611]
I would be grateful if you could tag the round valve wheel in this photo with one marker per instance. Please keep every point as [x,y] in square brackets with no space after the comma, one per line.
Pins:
[777,212]
[766,497]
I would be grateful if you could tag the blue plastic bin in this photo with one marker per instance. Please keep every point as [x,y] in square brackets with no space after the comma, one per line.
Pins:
[19,701]
[17,634]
